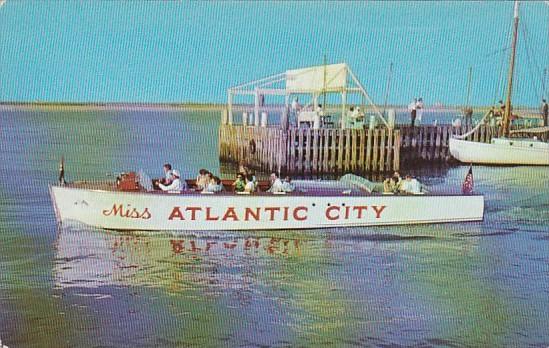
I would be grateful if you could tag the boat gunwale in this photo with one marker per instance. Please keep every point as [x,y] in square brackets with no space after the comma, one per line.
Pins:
[315,193]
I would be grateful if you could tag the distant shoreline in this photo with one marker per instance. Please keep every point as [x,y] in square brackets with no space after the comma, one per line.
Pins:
[86,106]
[110,106]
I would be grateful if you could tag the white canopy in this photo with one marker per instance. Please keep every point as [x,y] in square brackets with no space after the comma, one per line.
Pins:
[317,79]
[314,80]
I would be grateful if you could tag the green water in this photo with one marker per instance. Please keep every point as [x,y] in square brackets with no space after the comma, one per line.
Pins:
[471,285]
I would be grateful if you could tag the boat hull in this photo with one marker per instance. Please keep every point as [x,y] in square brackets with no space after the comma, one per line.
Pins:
[501,151]
[196,212]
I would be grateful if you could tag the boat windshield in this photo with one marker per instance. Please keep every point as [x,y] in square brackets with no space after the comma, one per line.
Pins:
[144,180]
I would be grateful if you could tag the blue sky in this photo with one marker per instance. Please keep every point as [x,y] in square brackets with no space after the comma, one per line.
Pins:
[192,52]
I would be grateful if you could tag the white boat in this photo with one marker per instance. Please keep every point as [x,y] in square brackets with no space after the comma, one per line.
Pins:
[505,150]
[313,204]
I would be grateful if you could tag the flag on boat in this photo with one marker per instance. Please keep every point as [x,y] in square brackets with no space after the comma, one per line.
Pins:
[467,187]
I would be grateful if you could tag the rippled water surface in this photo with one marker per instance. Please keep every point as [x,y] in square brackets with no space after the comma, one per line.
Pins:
[472,284]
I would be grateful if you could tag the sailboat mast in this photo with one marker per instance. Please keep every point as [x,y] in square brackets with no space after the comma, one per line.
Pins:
[507,114]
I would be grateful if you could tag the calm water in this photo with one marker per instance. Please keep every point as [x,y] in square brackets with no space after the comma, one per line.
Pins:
[477,284]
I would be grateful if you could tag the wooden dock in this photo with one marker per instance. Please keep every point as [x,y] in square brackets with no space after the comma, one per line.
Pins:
[429,144]
[332,150]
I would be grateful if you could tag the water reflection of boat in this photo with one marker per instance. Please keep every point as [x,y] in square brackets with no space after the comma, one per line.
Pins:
[313,204]
[87,258]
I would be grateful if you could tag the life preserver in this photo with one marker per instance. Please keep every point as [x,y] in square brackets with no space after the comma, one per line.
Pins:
[252,147]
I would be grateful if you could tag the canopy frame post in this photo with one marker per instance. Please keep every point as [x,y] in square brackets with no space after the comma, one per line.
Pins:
[256,103]
[344,109]
[230,107]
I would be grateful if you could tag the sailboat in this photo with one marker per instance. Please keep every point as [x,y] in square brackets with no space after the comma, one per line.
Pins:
[504,149]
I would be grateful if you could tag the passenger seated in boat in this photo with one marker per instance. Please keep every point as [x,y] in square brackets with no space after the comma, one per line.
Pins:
[202,180]
[276,184]
[250,184]
[397,182]
[214,185]
[389,185]
[167,179]
[411,185]
[254,179]
[287,185]
[219,183]
[239,184]
[176,186]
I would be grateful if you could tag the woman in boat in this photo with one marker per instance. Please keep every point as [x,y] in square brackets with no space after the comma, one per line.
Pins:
[411,186]
[202,180]
[392,184]
[214,185]
[239,184]
[287,185]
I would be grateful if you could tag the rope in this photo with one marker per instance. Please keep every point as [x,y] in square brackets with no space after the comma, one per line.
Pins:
[532,65]
[480,123]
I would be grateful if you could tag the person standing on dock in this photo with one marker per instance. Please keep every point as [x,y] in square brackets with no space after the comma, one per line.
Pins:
[295,108]
[544,112]
[419,110]
[412,107]
[468,112]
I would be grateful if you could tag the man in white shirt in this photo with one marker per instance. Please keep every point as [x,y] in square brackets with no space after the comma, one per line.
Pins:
[176,185]
[419,110]
[412,107]
[276,184]
[167,174]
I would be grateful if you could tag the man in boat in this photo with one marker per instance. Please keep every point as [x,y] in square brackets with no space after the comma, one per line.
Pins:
[276,184]
[167,179]
[176,186]
[544,112]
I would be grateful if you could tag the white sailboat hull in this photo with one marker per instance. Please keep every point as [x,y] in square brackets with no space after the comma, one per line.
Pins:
[501,151]
[196,212]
